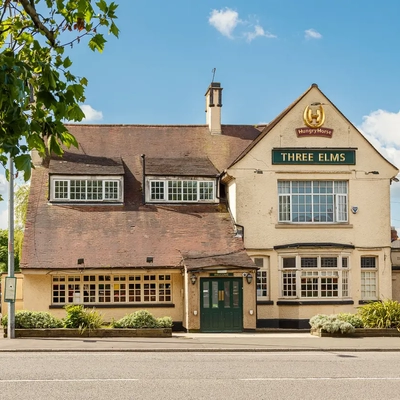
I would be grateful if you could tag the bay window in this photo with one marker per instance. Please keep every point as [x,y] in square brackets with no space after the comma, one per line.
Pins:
[314,277]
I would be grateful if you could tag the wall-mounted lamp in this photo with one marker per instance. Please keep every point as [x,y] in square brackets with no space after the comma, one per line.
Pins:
[149,259]
[258,171]
[249,278]
[372,172]
[193,279]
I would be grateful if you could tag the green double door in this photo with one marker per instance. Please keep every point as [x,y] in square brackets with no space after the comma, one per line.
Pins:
[221,304]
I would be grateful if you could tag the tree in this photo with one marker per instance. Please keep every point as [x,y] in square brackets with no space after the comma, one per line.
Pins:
[21,205]
[38,92]
[18,236]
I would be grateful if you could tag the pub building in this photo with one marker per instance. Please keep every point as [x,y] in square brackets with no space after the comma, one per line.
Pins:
[224,228]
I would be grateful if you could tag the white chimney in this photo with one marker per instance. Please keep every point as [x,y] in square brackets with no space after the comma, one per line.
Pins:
[213,108]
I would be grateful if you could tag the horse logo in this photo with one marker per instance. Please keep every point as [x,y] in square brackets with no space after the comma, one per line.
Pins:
[314,116]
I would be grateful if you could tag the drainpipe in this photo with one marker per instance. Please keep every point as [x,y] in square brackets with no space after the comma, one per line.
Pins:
[186,291]
[144,179]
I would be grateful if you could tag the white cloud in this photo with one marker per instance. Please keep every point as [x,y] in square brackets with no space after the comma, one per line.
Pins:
[3,185]
[382,129]
[312,34]
[91,114]
[258,31]
[225,21]
[4,219]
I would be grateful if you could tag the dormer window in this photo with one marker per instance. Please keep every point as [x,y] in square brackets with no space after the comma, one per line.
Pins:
[181,190]
[86,189]
[180,180]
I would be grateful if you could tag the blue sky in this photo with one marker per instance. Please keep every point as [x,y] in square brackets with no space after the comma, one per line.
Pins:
[266,53]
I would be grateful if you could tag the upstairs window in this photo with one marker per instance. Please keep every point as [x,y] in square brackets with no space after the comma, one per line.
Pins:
[312,201]
[179,190]
[262,278]
[86,190]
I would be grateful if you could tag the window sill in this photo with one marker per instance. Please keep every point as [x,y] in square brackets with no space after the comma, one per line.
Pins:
[117,305]
[310,225]
[265,303]
[86,203]
[312,302]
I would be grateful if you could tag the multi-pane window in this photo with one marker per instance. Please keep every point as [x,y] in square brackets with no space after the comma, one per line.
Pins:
[320,277]
[312,201]
[86,190]
[262,279]
[369,278]
[175,190]
[87,289]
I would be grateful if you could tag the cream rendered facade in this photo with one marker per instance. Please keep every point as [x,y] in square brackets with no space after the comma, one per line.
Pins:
[253,193]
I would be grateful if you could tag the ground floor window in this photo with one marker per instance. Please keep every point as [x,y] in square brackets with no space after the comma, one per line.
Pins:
[314,277]
[136,288]
[369,269]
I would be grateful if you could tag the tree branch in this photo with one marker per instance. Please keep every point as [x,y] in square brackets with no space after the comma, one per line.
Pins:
[6,3]
[31,11]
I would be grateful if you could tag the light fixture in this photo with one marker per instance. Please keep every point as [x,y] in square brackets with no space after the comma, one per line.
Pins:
[258,171]
[193,279]
[249,278]
[372,172]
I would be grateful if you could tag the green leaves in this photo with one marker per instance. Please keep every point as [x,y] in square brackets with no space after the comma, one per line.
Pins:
[37,89]
[23,163]
[97,42]
[380,314]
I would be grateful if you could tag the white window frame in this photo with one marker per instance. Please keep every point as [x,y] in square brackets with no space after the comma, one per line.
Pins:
[164,194]
[286,203]
[315,281]
[369,274]
[262,281]
[115,182]
[112,289]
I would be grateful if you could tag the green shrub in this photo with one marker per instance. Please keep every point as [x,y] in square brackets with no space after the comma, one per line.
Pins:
[33,320]
[385,314]
[164,322]
[331,324]
[142,319]
[353,319]
[82,318]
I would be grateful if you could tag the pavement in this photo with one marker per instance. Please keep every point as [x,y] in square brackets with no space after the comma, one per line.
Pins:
[205,342]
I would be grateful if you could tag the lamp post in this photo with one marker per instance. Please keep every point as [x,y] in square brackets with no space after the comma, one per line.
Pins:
[11,302]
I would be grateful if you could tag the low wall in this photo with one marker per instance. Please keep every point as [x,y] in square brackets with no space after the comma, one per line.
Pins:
[114,332]
[359,332]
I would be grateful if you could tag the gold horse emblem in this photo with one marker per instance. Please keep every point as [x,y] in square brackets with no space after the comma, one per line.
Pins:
[314,116]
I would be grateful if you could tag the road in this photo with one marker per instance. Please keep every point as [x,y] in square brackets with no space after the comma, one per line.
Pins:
[284,375]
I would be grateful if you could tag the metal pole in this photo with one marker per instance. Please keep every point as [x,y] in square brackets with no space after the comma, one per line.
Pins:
[11,304]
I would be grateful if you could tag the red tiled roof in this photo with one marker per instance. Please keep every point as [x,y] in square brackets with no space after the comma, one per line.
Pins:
[113,236]
[78,164]
[187,166]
